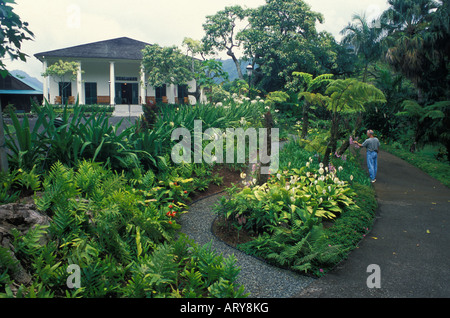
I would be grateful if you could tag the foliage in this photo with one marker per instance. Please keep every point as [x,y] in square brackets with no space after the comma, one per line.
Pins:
[166,65]
[304,193]
[220,32]
[120,230]
[12,33]
[365,37]
[430,122]
[433,163]
[290,210]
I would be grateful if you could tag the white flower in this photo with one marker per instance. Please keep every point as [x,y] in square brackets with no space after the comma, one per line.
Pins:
[254,102]
[340,168]
[172,124]
[243,175]
[267,107]
[320,200]
[277,110]
[258,98]
[351,177]
[329,188]
[278,176]
[321,165]
[307,164]
[321,170]
[219,104]
[324,191]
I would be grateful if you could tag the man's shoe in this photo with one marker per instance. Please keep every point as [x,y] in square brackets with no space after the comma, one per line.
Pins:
[373,181]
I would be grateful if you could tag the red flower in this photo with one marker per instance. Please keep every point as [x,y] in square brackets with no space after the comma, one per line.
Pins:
[170,206]
[170,222]
[185,192]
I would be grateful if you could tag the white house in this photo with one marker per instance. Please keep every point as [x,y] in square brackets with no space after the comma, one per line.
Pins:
[109,72]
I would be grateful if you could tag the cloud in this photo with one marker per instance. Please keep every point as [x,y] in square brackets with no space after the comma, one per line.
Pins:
[64,23]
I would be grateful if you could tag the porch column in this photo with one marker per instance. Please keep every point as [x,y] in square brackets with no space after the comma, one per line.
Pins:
[79,85]
[143,86]
[112,84]
[45,83]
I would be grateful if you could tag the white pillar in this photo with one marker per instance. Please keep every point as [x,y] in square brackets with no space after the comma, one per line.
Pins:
[45,83]
[112,84]
[143,86]
[79,85]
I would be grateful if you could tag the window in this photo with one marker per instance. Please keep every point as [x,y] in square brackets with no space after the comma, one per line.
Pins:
[65,91]
[160,92]
[182,93]
[91,93]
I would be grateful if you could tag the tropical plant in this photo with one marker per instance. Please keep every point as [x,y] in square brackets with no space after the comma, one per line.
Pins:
[310,86]
[346,97]
[406,22]
[365,37]
[430,123]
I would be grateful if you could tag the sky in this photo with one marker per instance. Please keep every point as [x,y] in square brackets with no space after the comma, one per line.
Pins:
[59,24]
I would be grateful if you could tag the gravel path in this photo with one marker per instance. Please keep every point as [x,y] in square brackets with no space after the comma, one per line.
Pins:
[260,279]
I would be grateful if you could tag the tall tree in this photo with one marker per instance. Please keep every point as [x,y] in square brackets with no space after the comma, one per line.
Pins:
[281,39]
[166,65]
[221,30]
[406,22]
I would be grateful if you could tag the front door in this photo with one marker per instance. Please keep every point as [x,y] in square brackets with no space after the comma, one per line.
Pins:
[127,93]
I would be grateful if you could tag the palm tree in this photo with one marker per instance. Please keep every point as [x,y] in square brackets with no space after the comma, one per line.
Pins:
[406,22]
[365,37]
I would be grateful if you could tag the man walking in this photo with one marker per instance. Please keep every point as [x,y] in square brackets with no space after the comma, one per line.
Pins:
[372,144]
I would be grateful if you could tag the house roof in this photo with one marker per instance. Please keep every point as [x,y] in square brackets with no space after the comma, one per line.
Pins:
[120,48]
[17,86]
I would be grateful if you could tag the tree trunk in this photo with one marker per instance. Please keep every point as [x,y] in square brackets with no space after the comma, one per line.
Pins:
[236,62]
[346,143]
[305,120]
[332,144]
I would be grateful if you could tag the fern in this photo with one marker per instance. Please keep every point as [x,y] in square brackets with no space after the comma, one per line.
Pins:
[30,243]
[7,262]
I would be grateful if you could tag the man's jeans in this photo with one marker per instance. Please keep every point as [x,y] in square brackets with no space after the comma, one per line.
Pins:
[372,157]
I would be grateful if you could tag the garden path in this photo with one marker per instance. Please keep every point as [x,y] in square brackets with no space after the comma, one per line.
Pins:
[259,278]
[409,243]
[409,240]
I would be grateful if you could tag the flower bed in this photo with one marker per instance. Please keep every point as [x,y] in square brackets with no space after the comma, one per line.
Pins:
[306,217]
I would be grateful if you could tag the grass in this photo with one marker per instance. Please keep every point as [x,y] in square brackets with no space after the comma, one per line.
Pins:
[425,160]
